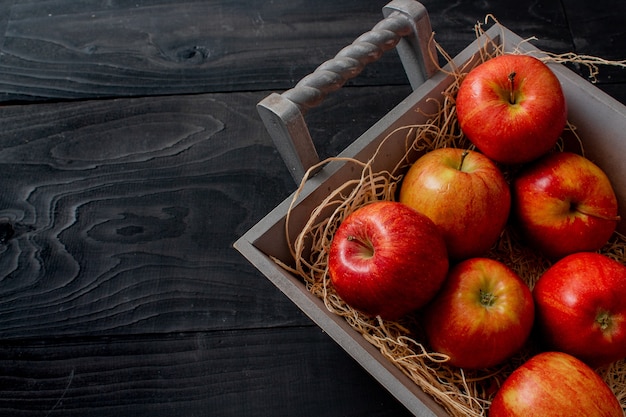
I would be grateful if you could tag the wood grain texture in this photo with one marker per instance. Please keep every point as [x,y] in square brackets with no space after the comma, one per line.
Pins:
[258,373]
[599,29]
[124,213]
[453,22]
[151,48]
[154,47]
[124,188]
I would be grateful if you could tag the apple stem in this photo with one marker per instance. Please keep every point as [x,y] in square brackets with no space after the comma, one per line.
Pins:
[364,245]
[598,216]
[463,155]
[512,87]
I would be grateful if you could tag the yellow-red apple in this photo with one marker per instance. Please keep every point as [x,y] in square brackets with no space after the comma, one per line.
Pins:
[464,193]
[563,203]
[482,315]
[554,384]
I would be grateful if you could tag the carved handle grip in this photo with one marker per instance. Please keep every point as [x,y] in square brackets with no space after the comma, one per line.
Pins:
[349,62]
[406,27]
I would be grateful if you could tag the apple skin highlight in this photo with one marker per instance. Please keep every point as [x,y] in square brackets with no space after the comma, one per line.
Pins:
[482,316]
[512,107]
[563,203]
[386,259]
[554,384]
[580,307]
[464,193]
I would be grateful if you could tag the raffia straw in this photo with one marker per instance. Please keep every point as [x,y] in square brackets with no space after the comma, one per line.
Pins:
[462,393]
[592,63]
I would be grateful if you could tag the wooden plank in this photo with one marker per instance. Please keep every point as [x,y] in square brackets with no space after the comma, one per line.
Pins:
[151,47]
[119,215]
[599,29]
[5,16]
[61,49]
[453,22]
[124,213]
[262,372]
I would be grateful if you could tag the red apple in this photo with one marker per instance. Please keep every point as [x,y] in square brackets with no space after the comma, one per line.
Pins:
[512,108]
[464,193]
[482,316]
[386,259]
[564,203]
[581,307]
[555,384]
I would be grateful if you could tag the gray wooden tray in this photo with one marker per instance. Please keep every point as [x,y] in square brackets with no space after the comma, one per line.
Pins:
[600,121]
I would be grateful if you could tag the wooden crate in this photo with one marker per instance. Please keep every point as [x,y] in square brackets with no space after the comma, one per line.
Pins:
[599,119]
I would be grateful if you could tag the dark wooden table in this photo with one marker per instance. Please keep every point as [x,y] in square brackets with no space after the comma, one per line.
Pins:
[132,157]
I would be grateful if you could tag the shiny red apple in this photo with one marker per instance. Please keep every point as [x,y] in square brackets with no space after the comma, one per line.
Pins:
[464,193]
[555,384]
[581,307]
[564,203]
[512,108]
[482,316]
[386,259]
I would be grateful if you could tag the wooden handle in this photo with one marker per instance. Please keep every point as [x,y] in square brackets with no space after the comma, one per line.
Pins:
[406,26]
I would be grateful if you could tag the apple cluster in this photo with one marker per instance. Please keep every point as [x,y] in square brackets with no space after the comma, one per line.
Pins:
[428,252]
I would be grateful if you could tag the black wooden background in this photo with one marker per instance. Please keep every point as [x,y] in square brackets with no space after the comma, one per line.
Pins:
[132,157]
